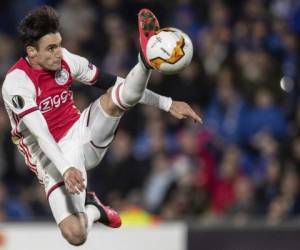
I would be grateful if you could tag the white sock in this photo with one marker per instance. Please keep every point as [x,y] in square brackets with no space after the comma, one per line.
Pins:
[78,200]
[92,214]
[128,93]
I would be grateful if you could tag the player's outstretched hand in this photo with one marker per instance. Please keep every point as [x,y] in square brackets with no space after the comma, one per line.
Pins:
[181,110]
[74,181]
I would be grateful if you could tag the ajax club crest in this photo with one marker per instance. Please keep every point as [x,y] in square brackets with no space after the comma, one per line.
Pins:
[61,76]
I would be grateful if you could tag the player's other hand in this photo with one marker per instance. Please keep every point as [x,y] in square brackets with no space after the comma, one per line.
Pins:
[181,110]
[74,181]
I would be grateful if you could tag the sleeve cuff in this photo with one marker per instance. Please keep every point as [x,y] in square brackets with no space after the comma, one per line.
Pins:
[165,103]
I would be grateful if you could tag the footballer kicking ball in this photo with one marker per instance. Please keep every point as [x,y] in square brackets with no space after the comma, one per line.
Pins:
[170,50]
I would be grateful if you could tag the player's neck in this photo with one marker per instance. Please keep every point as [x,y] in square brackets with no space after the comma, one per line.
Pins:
[33,63]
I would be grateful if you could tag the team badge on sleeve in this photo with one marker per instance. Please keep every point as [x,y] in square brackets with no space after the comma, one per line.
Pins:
[61,76]
[18,102]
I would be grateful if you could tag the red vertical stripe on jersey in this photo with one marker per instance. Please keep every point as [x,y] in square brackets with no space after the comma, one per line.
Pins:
[22,146]
[16,119]
[33,169]
[31,166]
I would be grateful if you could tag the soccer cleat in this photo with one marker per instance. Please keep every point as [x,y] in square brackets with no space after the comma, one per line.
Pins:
[108,216]
[148,26]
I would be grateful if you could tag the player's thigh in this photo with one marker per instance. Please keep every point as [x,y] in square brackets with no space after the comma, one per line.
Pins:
[73,151]
[99,130]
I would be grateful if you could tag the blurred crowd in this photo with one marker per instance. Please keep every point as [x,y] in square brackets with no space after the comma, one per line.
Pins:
[241,164]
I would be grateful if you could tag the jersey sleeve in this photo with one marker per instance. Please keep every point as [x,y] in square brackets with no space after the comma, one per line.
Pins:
[81,69]
[19,93]
[37,125]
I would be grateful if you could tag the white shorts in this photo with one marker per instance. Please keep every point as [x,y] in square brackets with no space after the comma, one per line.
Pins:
[84,146]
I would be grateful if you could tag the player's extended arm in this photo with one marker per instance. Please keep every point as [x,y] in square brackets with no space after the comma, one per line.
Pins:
[180,110]
[37,125]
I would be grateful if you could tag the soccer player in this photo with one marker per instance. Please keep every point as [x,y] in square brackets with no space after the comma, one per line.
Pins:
[58,143]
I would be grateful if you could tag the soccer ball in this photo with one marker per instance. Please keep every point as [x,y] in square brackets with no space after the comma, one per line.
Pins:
[169,51]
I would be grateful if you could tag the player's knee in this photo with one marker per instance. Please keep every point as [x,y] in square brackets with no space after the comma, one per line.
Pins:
[75,235]
[125,97]
[109,106]
[76,238]
[131,97]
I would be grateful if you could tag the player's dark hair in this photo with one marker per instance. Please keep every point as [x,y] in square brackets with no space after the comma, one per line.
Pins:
[38,23]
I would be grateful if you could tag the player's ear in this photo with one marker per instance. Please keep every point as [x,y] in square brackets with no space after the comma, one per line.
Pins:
[31,51]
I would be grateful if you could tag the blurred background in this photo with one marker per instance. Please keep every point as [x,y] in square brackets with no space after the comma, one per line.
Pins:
[241,166]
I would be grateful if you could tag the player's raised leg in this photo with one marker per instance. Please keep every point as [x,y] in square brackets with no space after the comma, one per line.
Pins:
[125,95]
[103,117]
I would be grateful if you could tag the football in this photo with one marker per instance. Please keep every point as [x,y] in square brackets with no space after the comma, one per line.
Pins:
[170,50]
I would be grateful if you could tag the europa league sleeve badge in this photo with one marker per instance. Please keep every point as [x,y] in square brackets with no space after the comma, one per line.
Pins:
[18,102]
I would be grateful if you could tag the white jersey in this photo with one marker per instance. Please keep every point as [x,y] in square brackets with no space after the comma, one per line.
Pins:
[26,90]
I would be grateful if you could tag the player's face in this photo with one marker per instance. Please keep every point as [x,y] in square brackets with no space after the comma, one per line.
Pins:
[48,54]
